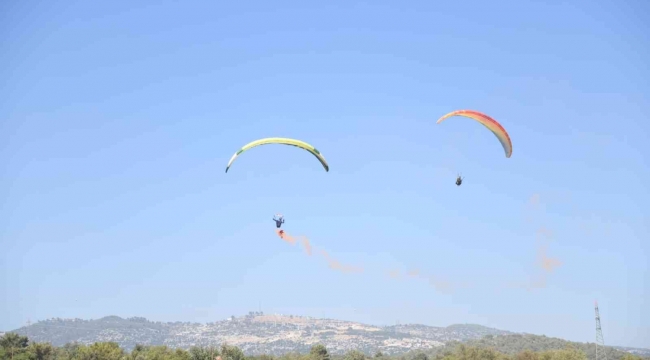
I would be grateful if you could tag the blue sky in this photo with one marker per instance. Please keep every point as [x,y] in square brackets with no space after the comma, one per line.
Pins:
[117,121]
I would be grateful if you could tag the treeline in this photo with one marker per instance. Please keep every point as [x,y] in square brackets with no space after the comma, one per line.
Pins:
[16,347]
[516,344]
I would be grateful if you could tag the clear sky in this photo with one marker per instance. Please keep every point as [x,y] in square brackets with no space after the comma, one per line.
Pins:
[118,119]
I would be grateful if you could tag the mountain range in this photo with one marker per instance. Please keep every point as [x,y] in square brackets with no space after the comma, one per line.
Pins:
[257,333]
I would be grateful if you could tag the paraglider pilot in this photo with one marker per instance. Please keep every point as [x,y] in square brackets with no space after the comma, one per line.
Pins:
[459,180]
[279,220]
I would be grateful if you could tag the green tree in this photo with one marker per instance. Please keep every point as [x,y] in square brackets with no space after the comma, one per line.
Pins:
[139,352]
[319,352]
[448,356]
[41,351]
[67,352]
[160,352]
[420,356]
[100,351]
[564,354]
[203,353]
[180,354]
[527,355]
[354,355]
[229,352]
[157,353]
[475,353]
[631,357]
[291,356]
[14,345]
[379,354]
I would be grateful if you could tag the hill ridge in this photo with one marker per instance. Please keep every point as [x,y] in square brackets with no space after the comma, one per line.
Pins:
[258,333]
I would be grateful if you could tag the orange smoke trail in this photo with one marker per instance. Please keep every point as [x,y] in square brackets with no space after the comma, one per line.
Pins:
[533,204]
[286,237]
[306,245]
[543,265]
[546,263]
[439,285]
[332,263]
[394,274]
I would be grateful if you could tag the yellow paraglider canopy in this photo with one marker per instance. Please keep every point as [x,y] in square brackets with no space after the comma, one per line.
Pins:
[285,141]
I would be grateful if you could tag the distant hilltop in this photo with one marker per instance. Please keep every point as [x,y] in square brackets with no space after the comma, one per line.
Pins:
[255,333]
[258,333]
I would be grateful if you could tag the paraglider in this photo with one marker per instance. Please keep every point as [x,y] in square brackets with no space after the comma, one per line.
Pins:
[285,141]
[489,123]
[279,220]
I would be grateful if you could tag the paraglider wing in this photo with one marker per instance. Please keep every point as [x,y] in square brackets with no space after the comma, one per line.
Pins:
[297,143]
[489,123]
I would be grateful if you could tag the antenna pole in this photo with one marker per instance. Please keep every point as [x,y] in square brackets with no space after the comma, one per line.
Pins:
[600,343]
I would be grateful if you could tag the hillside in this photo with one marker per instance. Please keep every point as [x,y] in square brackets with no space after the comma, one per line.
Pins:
[255,333]
[258,334]
[516,343]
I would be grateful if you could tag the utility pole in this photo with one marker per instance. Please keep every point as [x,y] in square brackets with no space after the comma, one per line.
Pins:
[600,355]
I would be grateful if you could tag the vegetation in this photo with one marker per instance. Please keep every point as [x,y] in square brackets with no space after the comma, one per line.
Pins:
[16,347]
[521,347]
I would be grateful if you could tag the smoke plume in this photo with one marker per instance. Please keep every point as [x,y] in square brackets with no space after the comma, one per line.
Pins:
[542,266]
[331,262]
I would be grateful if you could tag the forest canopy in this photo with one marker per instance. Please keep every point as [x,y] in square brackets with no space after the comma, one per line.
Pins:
[17,347]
